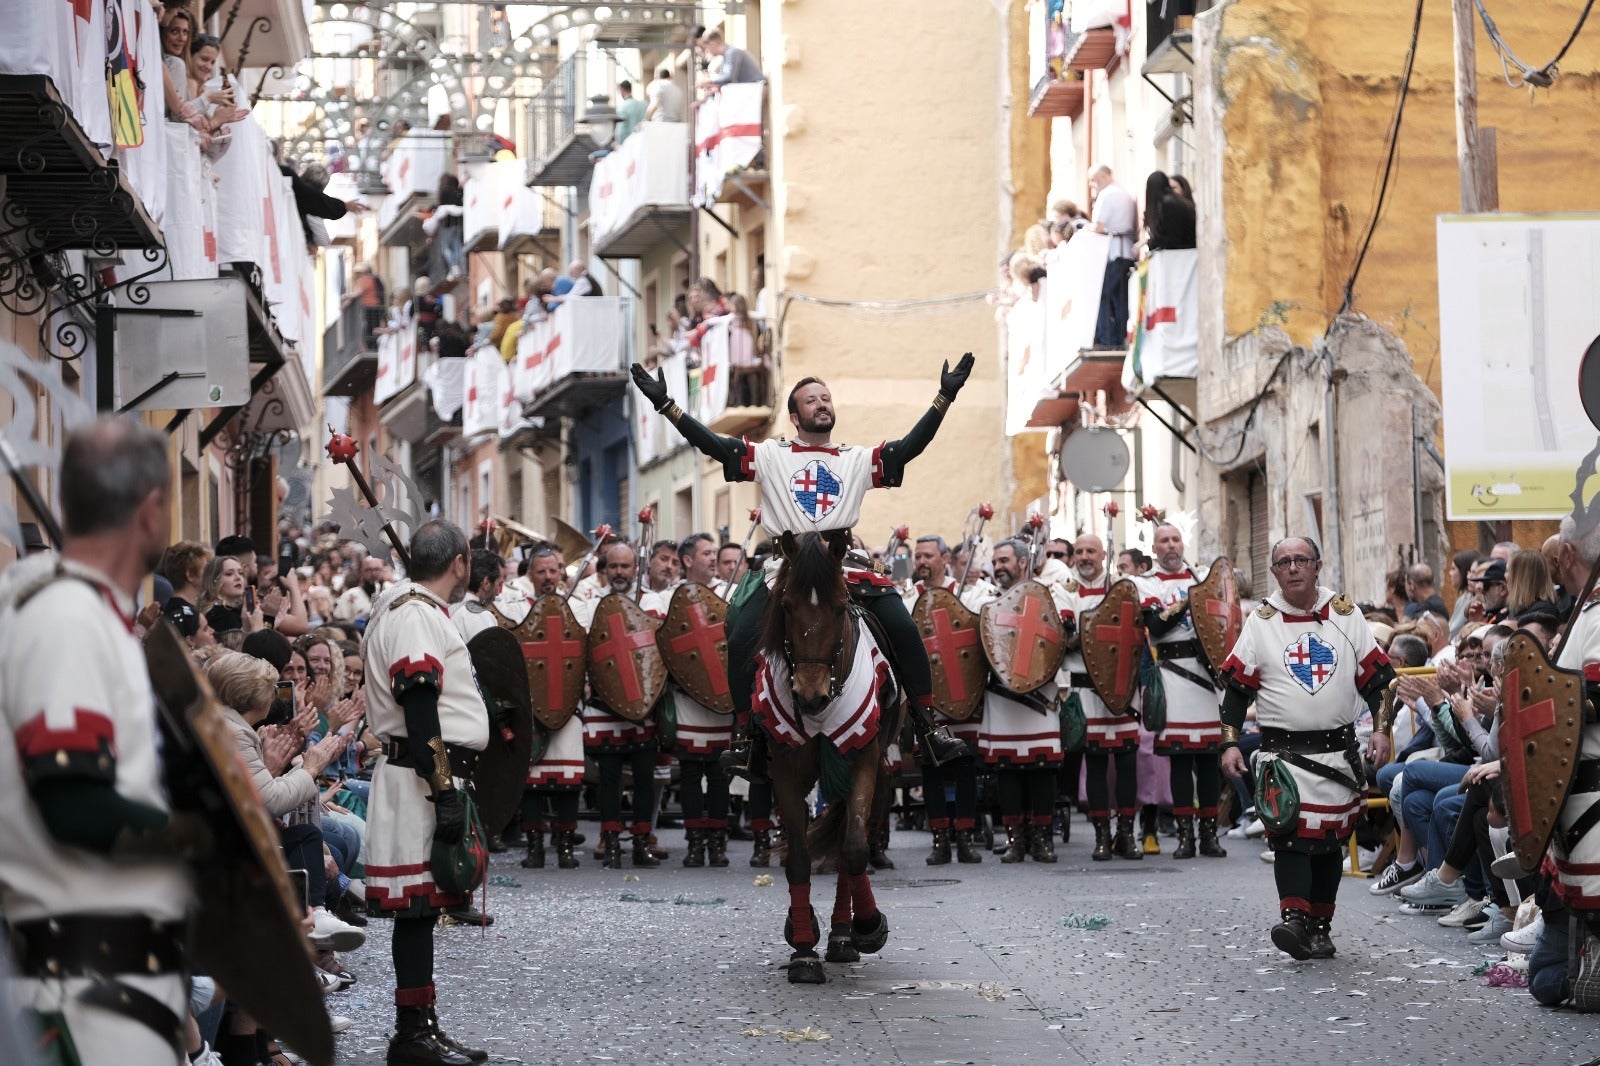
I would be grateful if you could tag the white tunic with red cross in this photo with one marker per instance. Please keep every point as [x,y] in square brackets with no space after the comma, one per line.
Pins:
[410,630]
[1013,732]
[561,765]
[1107,731]
[603,728]
[1579,868]
[1307,670]
[811,487]
[1194,722]
[973,597]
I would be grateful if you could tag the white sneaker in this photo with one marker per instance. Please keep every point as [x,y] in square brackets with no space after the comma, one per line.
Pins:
[207,1057]
[1236,833]
[1462,913]
[330,934]
[1255,829]
[329,983]
[1269,856]
[1430,891]
[339,1023]
[1395,877]
[1523,940]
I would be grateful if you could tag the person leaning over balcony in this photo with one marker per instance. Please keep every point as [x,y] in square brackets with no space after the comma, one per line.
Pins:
[745,358]
[1168,217]
[1116,216]
[666,99]
[177,30]
[738,66]
[205,52]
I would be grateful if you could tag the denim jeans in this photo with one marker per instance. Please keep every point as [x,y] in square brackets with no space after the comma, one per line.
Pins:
[1422,781]
[1111,325]
[1447,804]
[1547,966]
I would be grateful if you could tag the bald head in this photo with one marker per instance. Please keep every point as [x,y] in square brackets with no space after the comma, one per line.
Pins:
[110,468]
[1088,556]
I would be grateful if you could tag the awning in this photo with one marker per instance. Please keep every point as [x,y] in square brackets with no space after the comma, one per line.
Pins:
[647,227]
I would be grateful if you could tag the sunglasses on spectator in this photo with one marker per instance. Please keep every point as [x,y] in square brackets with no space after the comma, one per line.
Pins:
[1056,555]
[1294,562]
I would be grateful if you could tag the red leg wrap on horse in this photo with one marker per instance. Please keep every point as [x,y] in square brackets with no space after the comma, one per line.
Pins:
[861,898]
[800,914]
[841,899]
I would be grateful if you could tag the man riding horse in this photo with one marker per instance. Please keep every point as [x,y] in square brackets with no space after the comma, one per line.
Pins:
[810,484]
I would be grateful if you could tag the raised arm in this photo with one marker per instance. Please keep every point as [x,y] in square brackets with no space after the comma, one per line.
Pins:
[731,452]
[893,456]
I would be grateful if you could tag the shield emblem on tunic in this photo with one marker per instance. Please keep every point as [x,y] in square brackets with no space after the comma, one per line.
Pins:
[1214,610]
[693,640]
[625,667]
[950,632]
[1311,661]
[554,648]
[246,931]
[816,489]
[1023,636]
[503,764]
[1540,732]
[1113,639]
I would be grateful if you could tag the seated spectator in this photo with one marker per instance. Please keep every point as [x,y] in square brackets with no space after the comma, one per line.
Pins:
[1421,595]
[1489,592]
[579,282]
[189,622]
[1460,567]
[1529,590]
[505,313]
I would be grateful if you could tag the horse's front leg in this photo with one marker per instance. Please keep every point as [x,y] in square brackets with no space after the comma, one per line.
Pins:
[791,772]
[869,928]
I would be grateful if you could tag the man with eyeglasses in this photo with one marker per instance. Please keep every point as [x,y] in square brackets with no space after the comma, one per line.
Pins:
[1489,594]
[1193,731]
[1308,661]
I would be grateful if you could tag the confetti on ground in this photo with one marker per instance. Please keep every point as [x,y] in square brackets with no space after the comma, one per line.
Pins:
[763,881]
[991,991]
[502,881]
[1092,922]
[806,1035]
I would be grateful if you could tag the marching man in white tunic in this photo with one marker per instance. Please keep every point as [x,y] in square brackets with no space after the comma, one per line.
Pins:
[433,722]
[1308,661]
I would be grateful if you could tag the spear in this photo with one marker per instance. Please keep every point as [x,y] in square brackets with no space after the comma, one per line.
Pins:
[744,549]
[601,534]
[343,449]
[647,525]
[984,512]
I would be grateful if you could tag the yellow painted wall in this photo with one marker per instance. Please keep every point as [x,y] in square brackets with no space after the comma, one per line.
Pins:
[889,162]
[1306,127]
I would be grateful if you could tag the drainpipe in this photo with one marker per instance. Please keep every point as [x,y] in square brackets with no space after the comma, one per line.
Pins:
[1333,551]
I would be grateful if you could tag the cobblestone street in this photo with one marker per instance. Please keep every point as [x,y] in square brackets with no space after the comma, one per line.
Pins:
[983,965]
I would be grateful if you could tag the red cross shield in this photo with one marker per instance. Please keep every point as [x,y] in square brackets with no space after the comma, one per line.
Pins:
[950,633]
[625,666]
[1023,637]
[554,650]
[1113,640]
[693,640]
[1539,742]
[1214,607]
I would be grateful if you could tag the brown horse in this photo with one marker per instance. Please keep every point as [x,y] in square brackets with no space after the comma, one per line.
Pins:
[825,697]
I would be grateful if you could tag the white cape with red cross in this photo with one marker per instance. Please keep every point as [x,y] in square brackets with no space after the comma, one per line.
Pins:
[850,721]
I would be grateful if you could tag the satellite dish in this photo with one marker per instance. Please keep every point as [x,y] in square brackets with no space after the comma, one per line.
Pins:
[1589,382]
[1094,459]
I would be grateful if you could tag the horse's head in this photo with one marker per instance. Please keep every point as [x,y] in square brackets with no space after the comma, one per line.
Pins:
[809,626]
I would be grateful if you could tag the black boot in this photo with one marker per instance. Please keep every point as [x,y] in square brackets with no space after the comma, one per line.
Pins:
[1016,844]
[1102,839]
[1149,839]
[716,847]
[1043,848]
[696,852]
[454,1045]
[535,856]
[565,844]
[1185,848]
[610,849]
[938,746]
[878,847]
[940,855]
[415,1043]
[965,852]
[761,854]
[1210,847]
[1125,846]
[1293,934]
[1321,942]
[641,852]
[747,755]
[1066,824]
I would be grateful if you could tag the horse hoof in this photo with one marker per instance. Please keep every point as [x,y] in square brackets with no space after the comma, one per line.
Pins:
[870,939]
[841,944]
[788,929]
[806,970]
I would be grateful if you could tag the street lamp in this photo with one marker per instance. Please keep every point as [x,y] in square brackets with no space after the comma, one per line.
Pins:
[599,120]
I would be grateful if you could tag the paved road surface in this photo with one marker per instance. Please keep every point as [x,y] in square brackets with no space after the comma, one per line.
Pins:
[680,965]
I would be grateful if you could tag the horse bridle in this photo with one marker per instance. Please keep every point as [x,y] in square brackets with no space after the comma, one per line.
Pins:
[836,678]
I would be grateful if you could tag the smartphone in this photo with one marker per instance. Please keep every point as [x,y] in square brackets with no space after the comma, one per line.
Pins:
[249,599]
[284,691]
[301,883]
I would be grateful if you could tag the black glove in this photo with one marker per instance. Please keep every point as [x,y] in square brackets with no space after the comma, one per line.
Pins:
[654,388]
[950,381]
[450,817]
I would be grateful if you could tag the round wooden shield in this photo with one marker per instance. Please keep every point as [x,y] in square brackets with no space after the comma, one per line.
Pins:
[1023,636]
[693,640]
[555,649]
[626,670]
[950,632]
[502,768]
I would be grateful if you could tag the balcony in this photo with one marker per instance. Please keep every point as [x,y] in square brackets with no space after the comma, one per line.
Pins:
[640,193]
[1165,354]
[1169,39]
[722,398]
[1057,93]
[560,150]
[411,173]
[576,360]
[502,212]
[730,147]
[1095,39]
[1057,98]
[399,389]
[1094,49]
[349,354]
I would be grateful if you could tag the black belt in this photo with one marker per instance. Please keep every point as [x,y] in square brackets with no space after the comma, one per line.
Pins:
[462,760]
[1308,742]
[1080,680]
[1032,700]
[1181,649]
[1587,779]
[100,948]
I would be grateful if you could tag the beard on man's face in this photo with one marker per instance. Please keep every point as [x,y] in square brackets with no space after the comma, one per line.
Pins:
[817,421]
